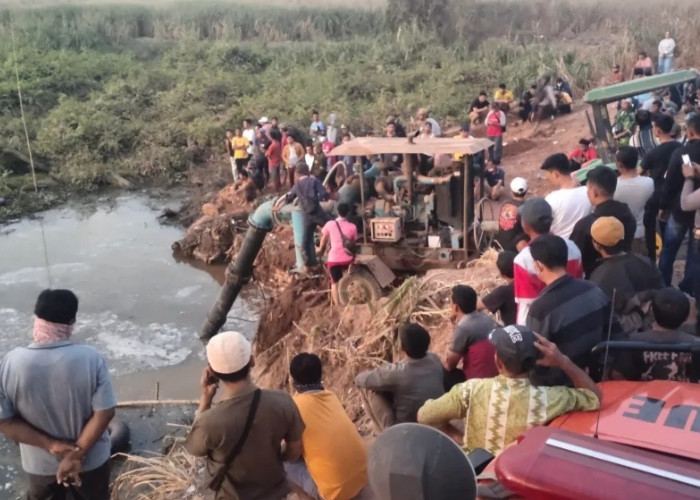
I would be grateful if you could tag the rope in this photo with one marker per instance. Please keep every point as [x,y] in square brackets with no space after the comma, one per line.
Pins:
[29,149]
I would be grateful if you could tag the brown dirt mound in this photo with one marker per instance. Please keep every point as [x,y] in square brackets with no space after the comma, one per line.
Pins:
[356,338]
[518,146]
[209,239]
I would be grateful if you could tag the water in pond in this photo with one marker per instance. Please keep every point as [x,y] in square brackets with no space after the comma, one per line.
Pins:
[138,306]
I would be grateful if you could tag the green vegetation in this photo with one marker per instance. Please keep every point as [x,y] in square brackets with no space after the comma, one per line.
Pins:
[146,91]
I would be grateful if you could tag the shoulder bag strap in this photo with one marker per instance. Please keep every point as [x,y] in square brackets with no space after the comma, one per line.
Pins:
[218,479]
[342,235]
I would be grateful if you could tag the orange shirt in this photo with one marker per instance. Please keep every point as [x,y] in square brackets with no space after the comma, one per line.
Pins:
[334,452]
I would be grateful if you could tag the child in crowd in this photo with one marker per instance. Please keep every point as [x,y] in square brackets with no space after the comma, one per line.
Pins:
[502,299]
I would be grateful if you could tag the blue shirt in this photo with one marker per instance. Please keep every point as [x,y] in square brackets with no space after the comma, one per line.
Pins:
[56,387]
[317,127]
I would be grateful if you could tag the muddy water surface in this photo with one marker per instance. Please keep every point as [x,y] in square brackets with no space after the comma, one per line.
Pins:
[138,305]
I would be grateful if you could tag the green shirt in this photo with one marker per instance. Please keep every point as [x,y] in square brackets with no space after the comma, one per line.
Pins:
[498,410]
[624,121]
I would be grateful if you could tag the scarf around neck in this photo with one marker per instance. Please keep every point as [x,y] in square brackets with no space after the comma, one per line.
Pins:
[302,388]
[46,332]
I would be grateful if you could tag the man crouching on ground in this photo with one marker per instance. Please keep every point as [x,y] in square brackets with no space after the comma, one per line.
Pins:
[241,435]
[509,404]
[56,401]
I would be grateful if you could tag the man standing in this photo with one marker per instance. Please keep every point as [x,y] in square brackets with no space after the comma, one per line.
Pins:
[317,126]
[470,343]
[248,420]
[56,389]
[249,134]
[624,123]
[240,152]
[336,471]
[311,193]
[536,218]
[601,186]
[572,313]
[678,222]
[292,154]
[228,144]
[274,160]
[655,164]
[495,128]
[666,48]
[509,225]
[569,202]
[628,278]
[394,392]
[633,190]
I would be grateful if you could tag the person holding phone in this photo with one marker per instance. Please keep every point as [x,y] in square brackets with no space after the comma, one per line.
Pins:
[679,221]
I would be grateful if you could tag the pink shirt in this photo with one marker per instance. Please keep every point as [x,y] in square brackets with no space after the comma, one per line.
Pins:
[337,253]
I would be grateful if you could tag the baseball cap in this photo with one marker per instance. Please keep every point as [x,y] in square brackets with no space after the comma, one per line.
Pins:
[608,231]
[228,352]
[536,211]
[264,120]
[515,346]
[518,186]
[415,461]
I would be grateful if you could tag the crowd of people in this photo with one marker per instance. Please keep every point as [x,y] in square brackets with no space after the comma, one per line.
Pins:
[579,266]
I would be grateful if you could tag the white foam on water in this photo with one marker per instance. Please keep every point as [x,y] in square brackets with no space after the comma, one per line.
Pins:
[127,346]
[38,274]
[188,291]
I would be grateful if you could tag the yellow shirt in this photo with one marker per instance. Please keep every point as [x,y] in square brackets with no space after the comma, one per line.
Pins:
[498,410]
[565,98]
[333,450]
[501,95]
[240,142]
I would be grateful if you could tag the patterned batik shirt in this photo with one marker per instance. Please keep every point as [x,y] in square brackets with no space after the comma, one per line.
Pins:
[498,410]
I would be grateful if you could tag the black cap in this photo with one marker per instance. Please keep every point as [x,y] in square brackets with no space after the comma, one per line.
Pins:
[515,346]
[411,461]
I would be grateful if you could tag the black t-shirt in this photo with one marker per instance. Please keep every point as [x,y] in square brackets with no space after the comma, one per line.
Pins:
[509,226]
[581,235]
[476,103]
[655,163]
[657,365]
[493,176]
[502,299]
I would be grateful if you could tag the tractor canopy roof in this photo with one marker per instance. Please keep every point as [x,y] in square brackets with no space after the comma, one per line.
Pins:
[639,86]
[368,146]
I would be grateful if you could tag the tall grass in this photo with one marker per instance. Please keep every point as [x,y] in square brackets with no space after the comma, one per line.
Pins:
[147,89]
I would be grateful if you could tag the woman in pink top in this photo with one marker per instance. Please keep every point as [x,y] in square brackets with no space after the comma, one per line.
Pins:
[338,257]
[495,126]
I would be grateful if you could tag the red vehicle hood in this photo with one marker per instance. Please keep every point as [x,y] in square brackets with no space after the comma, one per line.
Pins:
[659,416]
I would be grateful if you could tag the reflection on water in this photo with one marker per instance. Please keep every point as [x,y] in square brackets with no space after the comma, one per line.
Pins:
[138,305]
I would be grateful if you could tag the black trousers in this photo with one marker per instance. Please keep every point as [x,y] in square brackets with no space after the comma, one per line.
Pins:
[651,215]
[95,486]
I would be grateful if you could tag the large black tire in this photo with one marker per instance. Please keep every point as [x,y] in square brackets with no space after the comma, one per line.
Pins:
[359,287]
[119,436]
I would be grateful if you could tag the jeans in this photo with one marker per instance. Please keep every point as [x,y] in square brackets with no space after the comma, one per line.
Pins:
[674,234]
[308,248]
[496,151]
[665,64]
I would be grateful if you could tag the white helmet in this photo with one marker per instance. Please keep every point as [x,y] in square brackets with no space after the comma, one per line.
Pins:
[518,186]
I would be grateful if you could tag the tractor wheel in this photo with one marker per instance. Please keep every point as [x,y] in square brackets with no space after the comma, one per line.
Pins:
[358,287]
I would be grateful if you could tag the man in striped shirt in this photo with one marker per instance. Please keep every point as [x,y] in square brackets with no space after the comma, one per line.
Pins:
[498,410]
[536,218]
[573,313]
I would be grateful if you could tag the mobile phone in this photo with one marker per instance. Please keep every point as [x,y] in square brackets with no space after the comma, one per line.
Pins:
[686,160]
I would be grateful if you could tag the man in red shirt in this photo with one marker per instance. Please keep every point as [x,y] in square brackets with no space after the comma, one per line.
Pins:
[584,153]
[536,219]
[274,159]
[495,127]
[470,340]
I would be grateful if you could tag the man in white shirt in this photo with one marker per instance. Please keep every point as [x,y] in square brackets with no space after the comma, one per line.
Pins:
[570,202]
[666,48]
[249,133]
[634,190]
